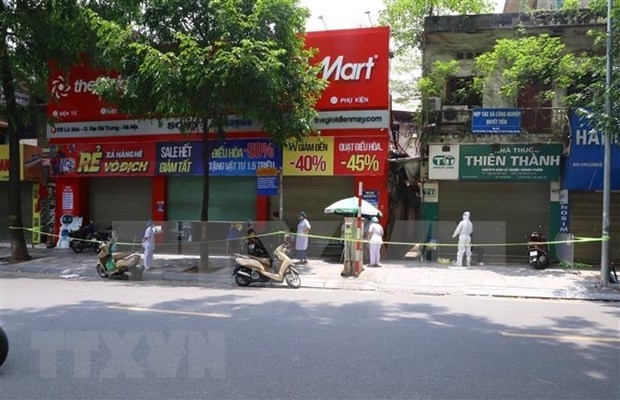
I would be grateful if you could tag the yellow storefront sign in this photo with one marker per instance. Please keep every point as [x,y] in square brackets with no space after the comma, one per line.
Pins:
[312,157]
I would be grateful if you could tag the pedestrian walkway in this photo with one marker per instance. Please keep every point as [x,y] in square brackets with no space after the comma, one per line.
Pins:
[408,276]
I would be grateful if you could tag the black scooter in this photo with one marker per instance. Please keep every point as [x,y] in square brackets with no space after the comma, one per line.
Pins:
[87,237]
[538,250]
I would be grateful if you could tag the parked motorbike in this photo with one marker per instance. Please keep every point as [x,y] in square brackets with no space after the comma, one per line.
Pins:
[538,249]
[88,237]
[124,265]
[4,346]
[265,268]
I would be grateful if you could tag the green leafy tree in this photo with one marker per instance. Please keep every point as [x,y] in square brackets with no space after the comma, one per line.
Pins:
[33,32]
[516,63]
[406,17]
[203,60]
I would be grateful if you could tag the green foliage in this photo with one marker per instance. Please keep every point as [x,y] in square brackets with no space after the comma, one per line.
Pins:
[517,63]
[206,59]
[432,84]
[406,17]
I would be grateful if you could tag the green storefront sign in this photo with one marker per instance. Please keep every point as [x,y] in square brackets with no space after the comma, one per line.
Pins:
[527,162]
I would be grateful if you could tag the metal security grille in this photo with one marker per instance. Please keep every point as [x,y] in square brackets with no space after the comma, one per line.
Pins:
[586,220]
[503,214]
[120,199]
[230,198]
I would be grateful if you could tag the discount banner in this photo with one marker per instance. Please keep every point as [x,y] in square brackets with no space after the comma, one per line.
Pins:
[360,157]
[312,157]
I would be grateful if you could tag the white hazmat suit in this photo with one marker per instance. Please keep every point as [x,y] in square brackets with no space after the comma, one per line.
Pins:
[464,230]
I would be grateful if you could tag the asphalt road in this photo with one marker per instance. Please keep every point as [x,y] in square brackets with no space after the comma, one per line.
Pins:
[123,340]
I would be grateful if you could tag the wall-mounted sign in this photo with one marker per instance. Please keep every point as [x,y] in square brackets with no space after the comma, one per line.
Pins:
[583,167]
[356,63]
[228,158]
[496,120]
[515,161]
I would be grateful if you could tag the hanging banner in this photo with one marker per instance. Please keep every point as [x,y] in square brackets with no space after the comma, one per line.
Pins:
[360,156]
[228,158]
[312,157]
[108,159]
[583,167]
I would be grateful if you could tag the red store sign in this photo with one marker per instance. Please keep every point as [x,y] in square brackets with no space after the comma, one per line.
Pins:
[354,61]
[356,64]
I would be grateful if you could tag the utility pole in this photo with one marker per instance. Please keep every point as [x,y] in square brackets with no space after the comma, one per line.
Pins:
[607,157]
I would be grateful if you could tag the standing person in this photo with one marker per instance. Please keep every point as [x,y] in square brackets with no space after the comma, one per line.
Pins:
[148,243]
[301,240]
[251,237]
[464,230]
[375,239]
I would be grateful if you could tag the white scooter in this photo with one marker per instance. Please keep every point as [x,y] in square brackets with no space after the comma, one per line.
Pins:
[250,268]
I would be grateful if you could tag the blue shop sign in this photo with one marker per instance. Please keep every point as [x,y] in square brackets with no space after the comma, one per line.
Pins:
[496,120]
[240,157]
[583,167]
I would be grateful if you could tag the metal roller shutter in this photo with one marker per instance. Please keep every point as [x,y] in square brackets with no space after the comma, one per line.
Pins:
[502,213]
[230,198]
[312,194]
[586,220]
[120,199]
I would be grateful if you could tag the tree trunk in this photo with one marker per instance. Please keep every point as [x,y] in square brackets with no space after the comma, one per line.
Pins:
[203,265]
[19,251]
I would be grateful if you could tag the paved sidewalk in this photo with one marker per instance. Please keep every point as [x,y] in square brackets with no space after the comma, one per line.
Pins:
[409,276]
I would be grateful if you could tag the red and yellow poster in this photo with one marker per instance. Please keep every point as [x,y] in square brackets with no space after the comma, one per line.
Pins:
[360,156]
[312,157]
[109,159]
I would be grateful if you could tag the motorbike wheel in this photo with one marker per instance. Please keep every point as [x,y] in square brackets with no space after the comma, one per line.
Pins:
[101,271]
[292,279]
[77,246]
[4,346]
[542,262]
[242,280]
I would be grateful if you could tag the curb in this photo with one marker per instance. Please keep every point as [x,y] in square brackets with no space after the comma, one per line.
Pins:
[589,292]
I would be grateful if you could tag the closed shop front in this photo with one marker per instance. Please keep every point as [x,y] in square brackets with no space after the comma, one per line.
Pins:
[507,188]
[119,199]
[503,214]
[582,182]
[230,198]
[586,220]
[312,194]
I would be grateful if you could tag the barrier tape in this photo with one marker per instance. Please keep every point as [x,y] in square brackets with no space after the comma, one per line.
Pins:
[581,239]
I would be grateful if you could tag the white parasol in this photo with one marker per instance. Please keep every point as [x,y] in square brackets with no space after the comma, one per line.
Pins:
[349,207]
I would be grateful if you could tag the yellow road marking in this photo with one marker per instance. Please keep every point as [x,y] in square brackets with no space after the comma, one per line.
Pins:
[177,312]
[561,337]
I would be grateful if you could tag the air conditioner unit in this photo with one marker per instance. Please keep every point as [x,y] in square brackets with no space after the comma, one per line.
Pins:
[455,114]
[431,104]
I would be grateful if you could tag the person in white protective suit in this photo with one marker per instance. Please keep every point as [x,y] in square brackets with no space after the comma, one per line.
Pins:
[464,230]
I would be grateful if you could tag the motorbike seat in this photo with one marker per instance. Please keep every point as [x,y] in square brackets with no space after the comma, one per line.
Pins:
[121,255]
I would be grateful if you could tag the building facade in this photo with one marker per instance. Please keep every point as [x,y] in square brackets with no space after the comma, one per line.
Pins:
[510,165]
[109,167]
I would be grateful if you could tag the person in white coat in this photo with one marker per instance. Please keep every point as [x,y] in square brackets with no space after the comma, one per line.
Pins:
[301,240]
[148,243]
[464,230]
[375,240]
